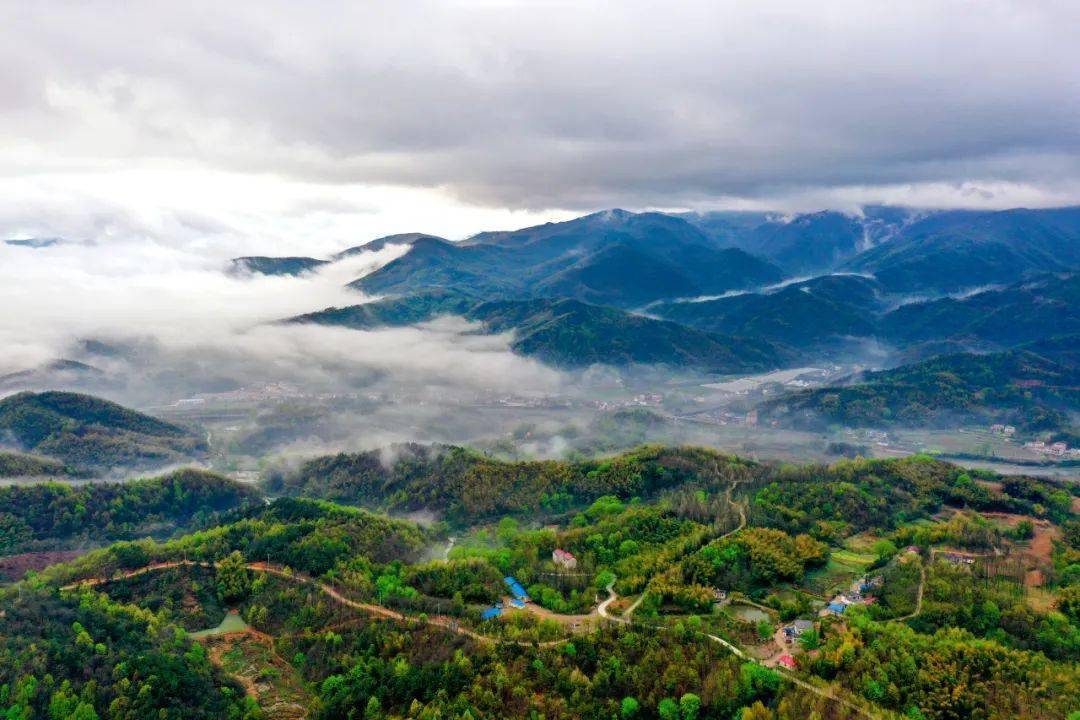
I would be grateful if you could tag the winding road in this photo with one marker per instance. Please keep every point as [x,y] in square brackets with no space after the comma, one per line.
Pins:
[440,621]
[451,625]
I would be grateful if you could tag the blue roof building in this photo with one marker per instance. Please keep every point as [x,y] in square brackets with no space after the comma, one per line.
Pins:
[491,613]
[516,590]
[837,608]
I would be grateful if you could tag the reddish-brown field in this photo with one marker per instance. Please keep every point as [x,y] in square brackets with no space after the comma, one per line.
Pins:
[13,567]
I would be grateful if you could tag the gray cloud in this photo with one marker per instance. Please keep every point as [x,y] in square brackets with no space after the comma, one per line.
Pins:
[561,105]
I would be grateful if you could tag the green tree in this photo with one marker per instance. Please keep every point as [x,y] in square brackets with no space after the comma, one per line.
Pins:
[689,706]
[233,580]
[668,709]
[810,640]
[884,549]
[629,708]
[757,711]
[1024,530]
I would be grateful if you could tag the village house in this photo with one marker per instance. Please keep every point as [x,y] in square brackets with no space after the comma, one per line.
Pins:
[836,608]
[564,559]
[796,629]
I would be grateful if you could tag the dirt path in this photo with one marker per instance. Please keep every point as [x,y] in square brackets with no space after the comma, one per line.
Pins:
[447,623]
[738,652]
[918,593]
[451,625]
[922,579]
[637,603]
[827,693]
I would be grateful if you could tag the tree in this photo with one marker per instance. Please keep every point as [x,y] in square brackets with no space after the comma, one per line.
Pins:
[1069,601]
[757,711]
[232,578]
[689,706]
[1024,530]
[810,640]
[668,709]
[884,549]
[629,708]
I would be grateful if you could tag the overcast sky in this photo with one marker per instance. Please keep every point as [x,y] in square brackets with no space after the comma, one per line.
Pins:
[302,127]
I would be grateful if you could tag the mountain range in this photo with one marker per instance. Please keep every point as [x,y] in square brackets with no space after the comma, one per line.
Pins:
[610,258]
[621,258]
[569,333]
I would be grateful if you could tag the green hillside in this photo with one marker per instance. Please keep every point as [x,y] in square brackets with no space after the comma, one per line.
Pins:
[1019,387]
[569,333]
[261,265]
[805,314]
[1023,312]
[91,433]
[54,515]
[962,249]
[14,464]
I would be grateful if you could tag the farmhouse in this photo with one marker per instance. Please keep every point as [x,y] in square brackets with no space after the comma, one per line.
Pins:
[564,559]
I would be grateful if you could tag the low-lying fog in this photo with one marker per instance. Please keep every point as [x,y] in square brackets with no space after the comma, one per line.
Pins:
[169,331]
[168,324]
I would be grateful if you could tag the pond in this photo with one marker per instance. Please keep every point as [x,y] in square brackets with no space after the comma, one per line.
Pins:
[749,614]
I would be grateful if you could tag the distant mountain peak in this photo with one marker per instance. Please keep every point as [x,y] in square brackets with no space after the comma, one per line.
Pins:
[34,243]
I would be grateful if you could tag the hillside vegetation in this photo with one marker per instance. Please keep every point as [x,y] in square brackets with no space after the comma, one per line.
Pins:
[569,333]
[1019,387]
[468,485]
[676,535]
[90,433]
[13,464]
[52,515]
[610,258]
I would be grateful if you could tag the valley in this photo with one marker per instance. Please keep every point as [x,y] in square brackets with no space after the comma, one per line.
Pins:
[631,465]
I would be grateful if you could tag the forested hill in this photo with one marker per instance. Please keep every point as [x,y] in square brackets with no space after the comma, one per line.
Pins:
[569,333]
[59,516]
[469,485]
[90,433]
[1027,311]
[13,464]
[261,265]
[805,314]
[1019,387]
[347,609]
[946,251]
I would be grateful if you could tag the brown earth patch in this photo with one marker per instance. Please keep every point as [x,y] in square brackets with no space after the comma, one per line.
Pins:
[249,658]
[13,567]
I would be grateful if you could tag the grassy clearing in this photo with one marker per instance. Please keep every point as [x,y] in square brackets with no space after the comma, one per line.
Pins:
[1040,599]
[232,623]
[843,567]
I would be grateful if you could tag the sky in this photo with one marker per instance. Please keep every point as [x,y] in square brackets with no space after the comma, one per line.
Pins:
[284,127]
